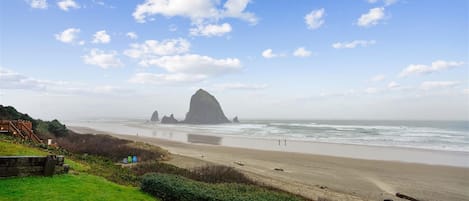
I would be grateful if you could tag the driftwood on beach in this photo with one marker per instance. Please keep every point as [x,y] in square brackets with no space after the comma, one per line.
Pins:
[400,195]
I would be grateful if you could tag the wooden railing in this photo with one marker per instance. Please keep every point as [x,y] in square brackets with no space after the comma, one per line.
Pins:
[19,128]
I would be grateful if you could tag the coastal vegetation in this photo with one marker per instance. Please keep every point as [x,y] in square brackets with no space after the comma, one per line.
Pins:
[80,184]
[173,187]
[96,170]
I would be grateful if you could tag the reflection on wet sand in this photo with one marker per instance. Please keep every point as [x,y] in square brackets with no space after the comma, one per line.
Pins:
[203,139]
[165,135]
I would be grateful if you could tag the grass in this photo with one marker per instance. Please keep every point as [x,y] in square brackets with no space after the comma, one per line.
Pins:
[82,186]
[9,149]
[67,187]
[91,171]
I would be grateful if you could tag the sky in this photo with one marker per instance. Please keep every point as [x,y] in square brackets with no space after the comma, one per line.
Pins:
[321,59]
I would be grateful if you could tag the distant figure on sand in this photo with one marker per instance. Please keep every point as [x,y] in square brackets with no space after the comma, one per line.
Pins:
[284,142]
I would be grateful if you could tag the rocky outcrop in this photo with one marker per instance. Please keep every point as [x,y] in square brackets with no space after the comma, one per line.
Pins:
[235,119]
[169,120]
[205,109]
[154,116]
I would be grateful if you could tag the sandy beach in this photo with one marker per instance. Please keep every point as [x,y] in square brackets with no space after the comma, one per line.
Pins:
[313,176]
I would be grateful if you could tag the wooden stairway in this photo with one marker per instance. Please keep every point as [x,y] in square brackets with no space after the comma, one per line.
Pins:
[19,128]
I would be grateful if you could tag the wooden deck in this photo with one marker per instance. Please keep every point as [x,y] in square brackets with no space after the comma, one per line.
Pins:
[19,128]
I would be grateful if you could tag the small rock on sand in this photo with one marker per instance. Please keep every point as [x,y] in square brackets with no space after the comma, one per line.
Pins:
[239,163]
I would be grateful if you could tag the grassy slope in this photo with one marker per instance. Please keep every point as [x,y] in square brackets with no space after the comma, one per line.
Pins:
[62,187]
[67,187]
[10,149]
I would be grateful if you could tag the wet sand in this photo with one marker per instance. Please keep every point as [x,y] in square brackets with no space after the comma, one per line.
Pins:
[313,176]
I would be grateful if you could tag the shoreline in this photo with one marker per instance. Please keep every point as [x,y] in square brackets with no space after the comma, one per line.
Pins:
[312,175]
[357,151]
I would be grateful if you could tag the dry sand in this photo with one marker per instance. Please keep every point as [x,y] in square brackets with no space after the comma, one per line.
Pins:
[316,176]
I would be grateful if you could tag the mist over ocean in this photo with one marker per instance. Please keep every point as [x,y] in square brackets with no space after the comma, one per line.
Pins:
[433,135]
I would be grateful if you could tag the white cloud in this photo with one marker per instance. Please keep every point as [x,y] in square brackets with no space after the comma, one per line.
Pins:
[240,86]
[302,52]
[102,59]
[373,17]
[17,81]
[429,85]
[150,78]
[68,35]
[377,78]
[67,4]
[436,66]
[196,10]
[39,4]
[235,9]
[389,2]
[315,18]
[386,2]
[151,49]
[196,64]
[393,85]
[211,30]
[132,35]
[268,53]
[172,56]
[353,44]
[101,37]
[14,80]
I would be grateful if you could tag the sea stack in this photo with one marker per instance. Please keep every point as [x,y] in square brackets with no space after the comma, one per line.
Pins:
[154,116]
[169,120]
[205,109]
[235,119]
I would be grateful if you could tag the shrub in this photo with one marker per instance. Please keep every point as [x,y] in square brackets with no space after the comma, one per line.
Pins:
[208,174]
[58,129]
[110,147]
[158,167]
[219,174]
[176,188]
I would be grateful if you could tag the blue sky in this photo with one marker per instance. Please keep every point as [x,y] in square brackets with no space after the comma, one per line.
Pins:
[356,59]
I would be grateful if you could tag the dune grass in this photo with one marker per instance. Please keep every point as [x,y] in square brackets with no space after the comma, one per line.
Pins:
[67,187]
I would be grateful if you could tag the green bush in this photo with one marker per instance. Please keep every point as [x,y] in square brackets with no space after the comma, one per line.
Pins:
[10,113]
[58,129]
[176,188]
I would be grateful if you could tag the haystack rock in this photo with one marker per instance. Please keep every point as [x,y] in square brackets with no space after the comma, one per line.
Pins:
[154,116]
[169,120]
[235,119]
[205,109]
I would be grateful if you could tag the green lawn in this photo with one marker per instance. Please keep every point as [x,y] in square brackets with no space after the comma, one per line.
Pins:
[67,187]
[11,149]
[71,187]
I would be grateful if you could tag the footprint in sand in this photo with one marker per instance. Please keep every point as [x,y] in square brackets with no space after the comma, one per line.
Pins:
[383,186]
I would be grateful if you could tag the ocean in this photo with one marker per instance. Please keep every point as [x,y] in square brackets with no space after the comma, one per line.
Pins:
[431,135]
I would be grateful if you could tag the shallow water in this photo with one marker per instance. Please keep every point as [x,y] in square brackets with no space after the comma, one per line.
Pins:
[433,135]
